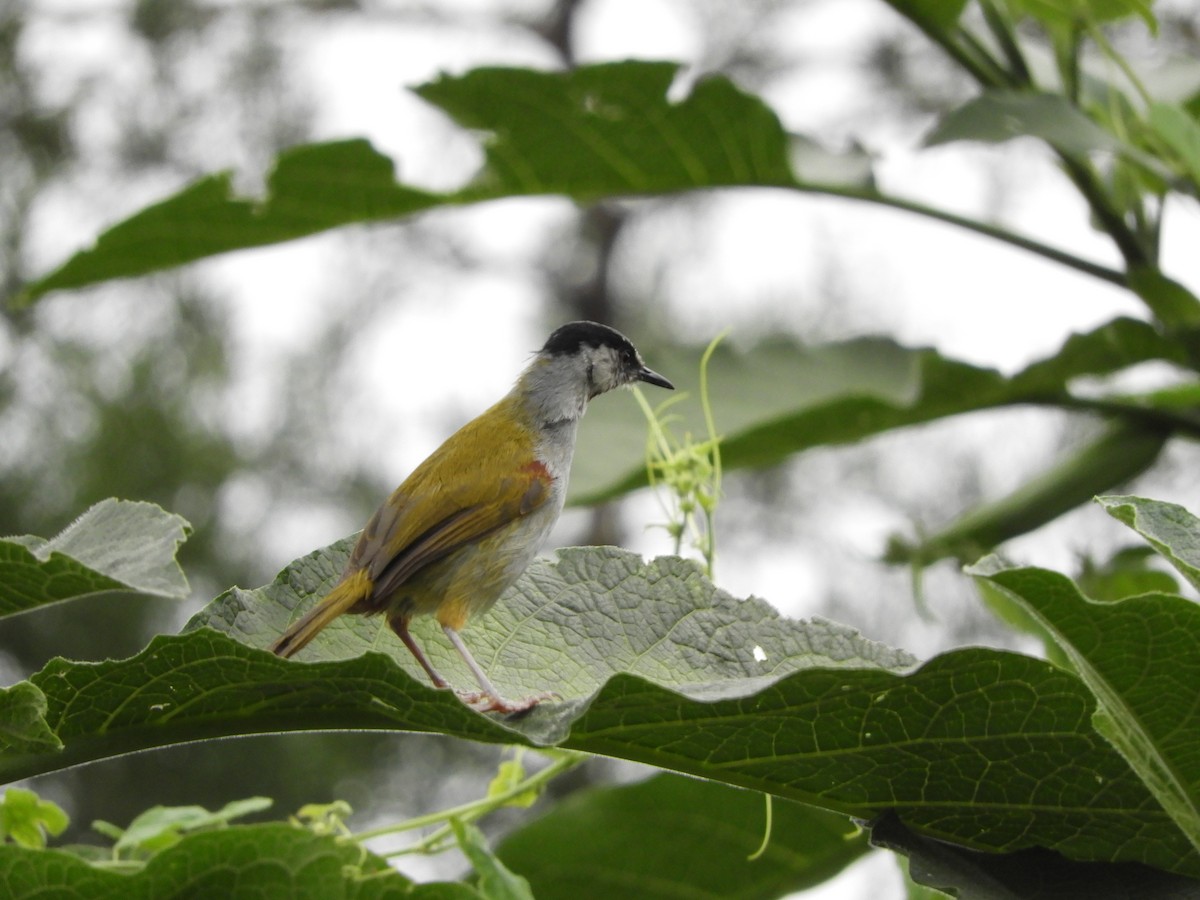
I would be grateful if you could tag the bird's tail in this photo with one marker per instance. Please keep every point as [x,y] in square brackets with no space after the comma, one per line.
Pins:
[339,600]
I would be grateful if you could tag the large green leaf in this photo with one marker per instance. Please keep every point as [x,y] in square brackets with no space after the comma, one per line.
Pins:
[1141,658]
[247,862]
[670,837]
[611,128]
[779,398]
[990,749]
[312,188]
[117,545]
[600,130]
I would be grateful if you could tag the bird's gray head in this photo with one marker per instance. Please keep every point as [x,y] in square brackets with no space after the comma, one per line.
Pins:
[578,362]
[603,357]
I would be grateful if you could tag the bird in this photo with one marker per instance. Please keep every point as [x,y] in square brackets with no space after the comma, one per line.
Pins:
[461,529]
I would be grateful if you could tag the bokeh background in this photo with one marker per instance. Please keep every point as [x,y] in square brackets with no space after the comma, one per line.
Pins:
[273,397]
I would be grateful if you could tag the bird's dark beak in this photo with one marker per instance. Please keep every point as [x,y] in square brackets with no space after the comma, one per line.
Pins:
[649,376]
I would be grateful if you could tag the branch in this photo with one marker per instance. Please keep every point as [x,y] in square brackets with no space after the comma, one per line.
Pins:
[1096,270]
[1127,241]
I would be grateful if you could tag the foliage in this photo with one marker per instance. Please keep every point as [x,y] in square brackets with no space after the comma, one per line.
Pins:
[26,819]
[985,749]
[993,771]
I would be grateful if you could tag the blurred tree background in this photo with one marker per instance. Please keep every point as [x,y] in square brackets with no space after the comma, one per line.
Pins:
[273,397]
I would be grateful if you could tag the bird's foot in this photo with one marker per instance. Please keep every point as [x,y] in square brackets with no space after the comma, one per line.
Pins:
[484,702]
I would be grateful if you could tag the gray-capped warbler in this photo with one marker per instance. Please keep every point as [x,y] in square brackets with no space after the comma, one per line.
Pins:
[469,519]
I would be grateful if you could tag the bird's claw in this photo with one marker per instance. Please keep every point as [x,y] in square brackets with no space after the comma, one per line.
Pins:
[483,702]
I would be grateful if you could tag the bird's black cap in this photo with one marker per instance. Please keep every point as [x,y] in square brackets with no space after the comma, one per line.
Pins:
[570,337]
[573,336]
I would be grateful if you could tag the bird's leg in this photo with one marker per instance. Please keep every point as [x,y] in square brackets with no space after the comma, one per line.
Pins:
[489,699]
[400,626]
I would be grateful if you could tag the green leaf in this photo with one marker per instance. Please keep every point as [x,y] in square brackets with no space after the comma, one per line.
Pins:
[163,826]
[611,128]
[1171,530]
[1000,115]
[494,879]
[815,165]
[325,818]
[247,862]
[1065,13]
[1016,617]
[933,15]
[1113,346]
[913,890]
[1172,303]
[1141,659]
[26,819]
[510,774]
[677,837]
[1028,875]
[312,188]
[594,131]
[780,398]
[986,748]
[1124,574]
[23,726]
[117,545]
[1122,452]
[1181,133]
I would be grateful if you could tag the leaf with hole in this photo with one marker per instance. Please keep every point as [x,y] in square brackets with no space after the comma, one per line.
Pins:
[990,749]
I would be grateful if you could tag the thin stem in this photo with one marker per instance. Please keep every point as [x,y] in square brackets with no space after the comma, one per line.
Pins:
[437,841]
[1179,422]
[970,55]
[973,57]
[1102,43]
[656,429]
[658,436]
[1066,55]
[1154,226]
[1006,38]
[1096,270]
[564,761]
[998,75]
[1127,241]
[766,840]
[710,423]
[1130,241]
[1144,231]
